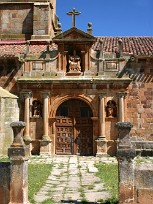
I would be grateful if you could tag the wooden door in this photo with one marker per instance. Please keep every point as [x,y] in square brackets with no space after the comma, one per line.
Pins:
[64,136]
[74,128]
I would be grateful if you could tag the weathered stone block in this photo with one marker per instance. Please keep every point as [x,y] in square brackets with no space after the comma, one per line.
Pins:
[4,182]
[144,176]
[145,196]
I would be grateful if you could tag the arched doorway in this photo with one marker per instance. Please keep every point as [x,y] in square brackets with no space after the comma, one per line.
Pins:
[74,128]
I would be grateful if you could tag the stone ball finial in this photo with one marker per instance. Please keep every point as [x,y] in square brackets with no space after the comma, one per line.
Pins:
[89,24]
[59,25]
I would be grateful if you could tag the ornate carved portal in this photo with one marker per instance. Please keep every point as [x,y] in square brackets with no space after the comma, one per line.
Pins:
[74,128]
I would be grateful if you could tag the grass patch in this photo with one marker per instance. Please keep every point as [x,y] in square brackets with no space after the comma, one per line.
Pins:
[48,201]
[91,187]
[109,175]
[4,159]
[38,173]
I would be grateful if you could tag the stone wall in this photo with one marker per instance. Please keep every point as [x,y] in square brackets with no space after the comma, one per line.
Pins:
[135,173]
[9,112]
[41,20]
[143,183]
[23,19]
[140,110]
[16,19]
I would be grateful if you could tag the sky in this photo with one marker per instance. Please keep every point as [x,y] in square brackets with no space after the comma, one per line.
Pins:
[109,17]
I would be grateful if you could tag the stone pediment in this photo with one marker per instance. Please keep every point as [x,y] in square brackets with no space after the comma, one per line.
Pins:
[74,34]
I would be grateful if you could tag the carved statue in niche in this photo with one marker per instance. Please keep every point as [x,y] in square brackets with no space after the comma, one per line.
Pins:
[111,109]
[36,108]
[74,63]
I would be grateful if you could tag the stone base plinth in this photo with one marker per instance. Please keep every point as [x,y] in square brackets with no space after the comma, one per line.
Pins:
[45,147]
[101,146]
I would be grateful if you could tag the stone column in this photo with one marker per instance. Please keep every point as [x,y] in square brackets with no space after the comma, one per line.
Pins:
[64,61]
[27,96]
[125,156]
[121,96]
[18,154]
[86,58]
[101,141]
[83,60]
[45,147]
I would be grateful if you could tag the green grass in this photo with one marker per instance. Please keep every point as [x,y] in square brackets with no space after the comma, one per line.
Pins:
[48,201]
[4,159]
[109,175]
[38,173]
[91,187]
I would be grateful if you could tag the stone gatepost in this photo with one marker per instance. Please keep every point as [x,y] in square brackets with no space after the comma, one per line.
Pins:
[18,154]
[125,156]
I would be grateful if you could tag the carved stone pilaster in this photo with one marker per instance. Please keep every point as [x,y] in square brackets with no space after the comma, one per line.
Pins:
[27,95]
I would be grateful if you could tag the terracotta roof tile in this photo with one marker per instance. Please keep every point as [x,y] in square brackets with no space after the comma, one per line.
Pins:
[132,45]
[12,49]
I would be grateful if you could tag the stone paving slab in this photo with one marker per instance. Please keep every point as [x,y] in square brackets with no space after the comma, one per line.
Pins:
[72,179]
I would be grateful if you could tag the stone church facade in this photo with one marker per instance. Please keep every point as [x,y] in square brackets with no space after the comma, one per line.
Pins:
[73,87]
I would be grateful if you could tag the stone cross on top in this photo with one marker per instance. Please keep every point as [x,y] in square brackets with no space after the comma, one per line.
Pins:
[73,13]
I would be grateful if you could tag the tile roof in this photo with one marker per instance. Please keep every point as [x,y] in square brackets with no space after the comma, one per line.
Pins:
[133,45]
[13,48]
[141,46]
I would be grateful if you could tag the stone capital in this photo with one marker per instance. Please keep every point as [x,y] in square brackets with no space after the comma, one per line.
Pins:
[102,95]
[121,94]
[26,94]
[45,94]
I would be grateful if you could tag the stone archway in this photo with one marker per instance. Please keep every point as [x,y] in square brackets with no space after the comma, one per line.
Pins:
[74,128]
